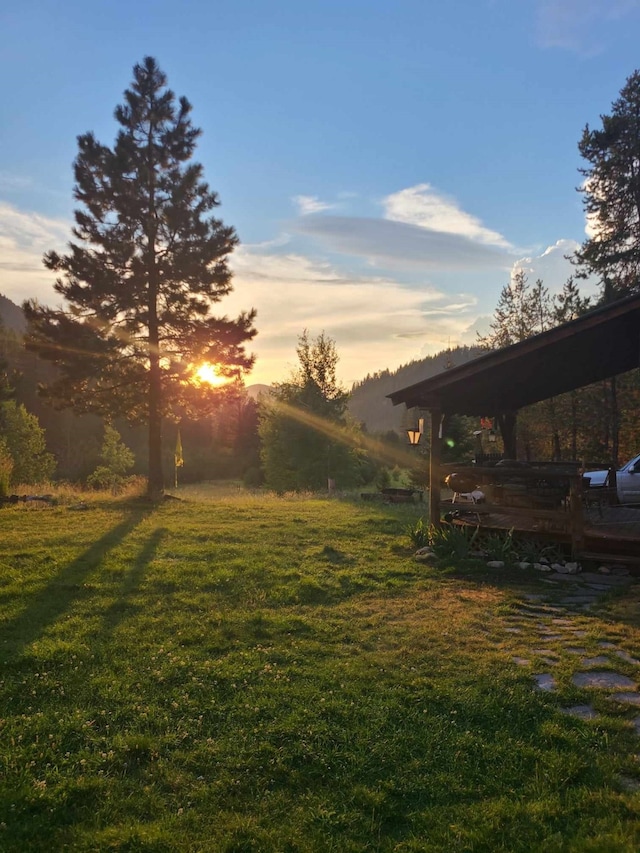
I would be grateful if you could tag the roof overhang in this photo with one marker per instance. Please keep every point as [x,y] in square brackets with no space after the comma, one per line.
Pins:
[600,344]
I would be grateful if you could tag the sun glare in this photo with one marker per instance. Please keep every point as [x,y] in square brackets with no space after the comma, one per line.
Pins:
[209,374]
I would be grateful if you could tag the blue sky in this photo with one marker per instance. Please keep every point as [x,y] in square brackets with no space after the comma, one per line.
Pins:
[387,165]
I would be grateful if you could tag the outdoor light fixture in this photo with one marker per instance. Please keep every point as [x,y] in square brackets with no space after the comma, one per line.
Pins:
[492,436]
[414,436]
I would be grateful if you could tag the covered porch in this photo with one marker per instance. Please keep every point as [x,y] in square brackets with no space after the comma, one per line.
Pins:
[603,343]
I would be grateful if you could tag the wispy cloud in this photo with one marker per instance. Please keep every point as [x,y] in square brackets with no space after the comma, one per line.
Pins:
[577,25]
[403,245]
[24,238]
[376,321]
[553,267]
[423,206]
[308,204]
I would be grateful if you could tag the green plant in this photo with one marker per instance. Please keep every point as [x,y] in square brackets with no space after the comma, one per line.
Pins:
[419,533]
[452,542]
[500,546]
[532,551]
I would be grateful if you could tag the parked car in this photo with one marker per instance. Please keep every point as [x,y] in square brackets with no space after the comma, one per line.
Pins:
[627,481]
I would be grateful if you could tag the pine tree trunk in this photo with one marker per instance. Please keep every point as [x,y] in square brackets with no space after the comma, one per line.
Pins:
[155,484]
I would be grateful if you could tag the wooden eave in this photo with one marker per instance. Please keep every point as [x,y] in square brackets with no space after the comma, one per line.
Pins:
[602,343]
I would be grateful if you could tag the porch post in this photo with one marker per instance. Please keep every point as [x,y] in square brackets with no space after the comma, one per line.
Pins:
[434,467]
[507,424]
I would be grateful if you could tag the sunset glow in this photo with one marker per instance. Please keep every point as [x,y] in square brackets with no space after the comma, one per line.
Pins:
[209,374]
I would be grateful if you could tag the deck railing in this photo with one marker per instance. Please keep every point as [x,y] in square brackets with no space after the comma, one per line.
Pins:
[543,498]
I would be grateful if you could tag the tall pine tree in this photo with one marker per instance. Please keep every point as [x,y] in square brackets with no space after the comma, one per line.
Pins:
[149,262]
[611,190]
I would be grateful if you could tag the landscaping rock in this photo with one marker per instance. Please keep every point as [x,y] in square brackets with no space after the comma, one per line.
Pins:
[545,681]
[572,568]
[523,565]
[604,680]
[425,557]
[583,712]
[630,698]
[598,660]
[495,564]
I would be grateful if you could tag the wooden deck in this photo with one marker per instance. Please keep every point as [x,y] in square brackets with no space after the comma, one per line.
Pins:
[551,503]
[611,533]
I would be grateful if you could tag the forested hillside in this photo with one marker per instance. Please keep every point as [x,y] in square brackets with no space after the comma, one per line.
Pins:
[222,445]
[369,403]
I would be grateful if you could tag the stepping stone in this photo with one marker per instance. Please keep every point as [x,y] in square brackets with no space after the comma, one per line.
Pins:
[545,681]
[600,587]
[599,660]
[580,599]
[605,645]
[629,784]
[560,576]
[584,712]
[564,623]
[580,634]
[636,724]
[531,596]
[627,698]
[606,580]
[543,652]
[513,630]
[575,650]
[604,680]
[551,637]
[521,661]
[626,657]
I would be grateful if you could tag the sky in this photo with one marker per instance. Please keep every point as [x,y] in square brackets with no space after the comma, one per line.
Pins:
[387,165]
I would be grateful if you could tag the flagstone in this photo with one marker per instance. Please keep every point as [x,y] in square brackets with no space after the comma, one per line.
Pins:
[606,680]
[545,681]
[631,698]
[598,660]
[584,712]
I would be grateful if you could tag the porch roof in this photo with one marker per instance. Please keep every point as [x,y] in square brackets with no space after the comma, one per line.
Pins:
[600,344]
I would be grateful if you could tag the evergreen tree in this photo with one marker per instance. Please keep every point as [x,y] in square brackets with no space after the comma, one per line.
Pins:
[306,437]
[116,458]
[522,311]
[149,261]
[24,441]
[611,190]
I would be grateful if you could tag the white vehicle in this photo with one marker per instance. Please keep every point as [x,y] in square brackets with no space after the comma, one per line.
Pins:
[627,481]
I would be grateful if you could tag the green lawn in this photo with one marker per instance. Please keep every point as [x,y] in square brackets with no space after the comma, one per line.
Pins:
[261,674]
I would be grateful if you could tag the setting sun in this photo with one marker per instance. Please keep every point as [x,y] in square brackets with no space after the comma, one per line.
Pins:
[210,374]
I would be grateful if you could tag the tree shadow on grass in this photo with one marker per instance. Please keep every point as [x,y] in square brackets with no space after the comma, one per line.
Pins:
[68,587]
[121,607]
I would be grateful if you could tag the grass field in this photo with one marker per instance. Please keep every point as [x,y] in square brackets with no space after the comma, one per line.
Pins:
[252,673]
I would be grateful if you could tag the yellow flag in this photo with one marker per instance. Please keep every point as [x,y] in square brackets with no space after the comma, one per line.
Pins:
[178,455]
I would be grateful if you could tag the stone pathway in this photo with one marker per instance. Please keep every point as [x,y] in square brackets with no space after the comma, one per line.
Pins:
[559,619]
